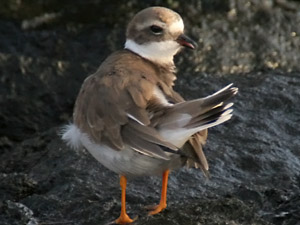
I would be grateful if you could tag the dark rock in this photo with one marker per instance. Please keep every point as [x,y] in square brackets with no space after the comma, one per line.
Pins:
[254,158]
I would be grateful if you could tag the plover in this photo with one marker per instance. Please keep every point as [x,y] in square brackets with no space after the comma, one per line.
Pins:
[128,116]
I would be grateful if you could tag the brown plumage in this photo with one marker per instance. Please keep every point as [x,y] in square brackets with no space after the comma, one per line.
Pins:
[116,90]
[128,116]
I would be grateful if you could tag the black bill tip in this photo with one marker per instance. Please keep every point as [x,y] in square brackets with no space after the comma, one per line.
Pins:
[187,42]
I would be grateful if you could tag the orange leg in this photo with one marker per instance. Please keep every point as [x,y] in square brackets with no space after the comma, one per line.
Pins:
[124,218]
[163,200]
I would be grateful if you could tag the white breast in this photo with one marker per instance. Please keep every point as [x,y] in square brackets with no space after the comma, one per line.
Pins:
[159,52]
[157,93]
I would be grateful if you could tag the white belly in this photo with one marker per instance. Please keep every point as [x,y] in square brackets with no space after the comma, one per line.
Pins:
[126,162]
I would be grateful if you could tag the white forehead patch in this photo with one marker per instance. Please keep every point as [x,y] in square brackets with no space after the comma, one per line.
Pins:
[177,26]
[150,23]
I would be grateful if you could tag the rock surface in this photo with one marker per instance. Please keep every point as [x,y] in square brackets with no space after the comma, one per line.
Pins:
[49,47]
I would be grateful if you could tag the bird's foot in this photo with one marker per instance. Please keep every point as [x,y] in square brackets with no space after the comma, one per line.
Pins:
[124,219]
[156,208]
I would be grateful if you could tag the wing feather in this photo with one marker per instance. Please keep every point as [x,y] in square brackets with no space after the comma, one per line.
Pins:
[112,109]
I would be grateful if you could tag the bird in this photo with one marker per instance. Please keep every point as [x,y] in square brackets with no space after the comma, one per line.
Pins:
[131,120]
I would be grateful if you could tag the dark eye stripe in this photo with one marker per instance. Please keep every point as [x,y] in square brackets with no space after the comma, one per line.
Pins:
[156,29]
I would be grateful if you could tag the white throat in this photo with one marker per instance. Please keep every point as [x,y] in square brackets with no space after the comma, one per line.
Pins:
[159,52]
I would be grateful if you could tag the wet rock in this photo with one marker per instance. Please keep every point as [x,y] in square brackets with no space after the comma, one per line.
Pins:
[255,172]
[16,186]
[254,158]
[17,213]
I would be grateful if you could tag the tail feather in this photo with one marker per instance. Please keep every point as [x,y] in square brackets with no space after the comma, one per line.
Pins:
[210,115]
[219,97]
[185,119]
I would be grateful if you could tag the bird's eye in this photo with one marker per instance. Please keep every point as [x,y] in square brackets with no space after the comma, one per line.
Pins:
[156,29]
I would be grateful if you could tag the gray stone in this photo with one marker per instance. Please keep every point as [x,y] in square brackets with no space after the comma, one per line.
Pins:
[254,158]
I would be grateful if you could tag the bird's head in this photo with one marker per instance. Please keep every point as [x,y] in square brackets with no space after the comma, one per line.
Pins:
[157,34]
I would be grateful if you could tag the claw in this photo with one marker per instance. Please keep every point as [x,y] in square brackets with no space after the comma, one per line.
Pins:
[157,209]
